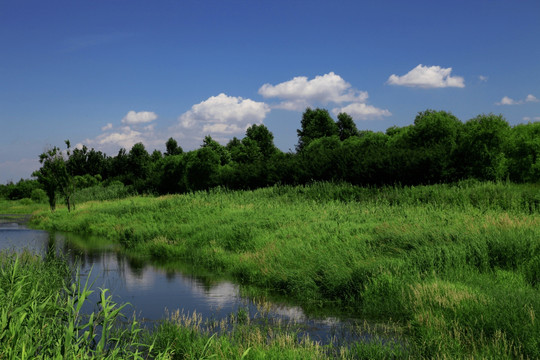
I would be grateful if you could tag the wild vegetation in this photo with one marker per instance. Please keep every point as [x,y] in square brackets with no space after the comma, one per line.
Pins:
[436,148]
[41,317]
[456,267]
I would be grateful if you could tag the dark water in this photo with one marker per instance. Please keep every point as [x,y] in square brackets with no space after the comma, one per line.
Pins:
[153,292]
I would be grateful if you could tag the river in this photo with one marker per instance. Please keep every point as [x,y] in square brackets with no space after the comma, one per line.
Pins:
[153,292]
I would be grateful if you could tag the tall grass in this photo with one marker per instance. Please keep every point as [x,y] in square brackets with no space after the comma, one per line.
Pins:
[41,318]
[456,265]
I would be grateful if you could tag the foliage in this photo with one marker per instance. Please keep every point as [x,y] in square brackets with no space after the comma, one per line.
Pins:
[54,176]
[41,317]
[315,124]
[436,148]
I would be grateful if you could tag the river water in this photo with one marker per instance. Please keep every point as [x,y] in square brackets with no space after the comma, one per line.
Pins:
[154,292]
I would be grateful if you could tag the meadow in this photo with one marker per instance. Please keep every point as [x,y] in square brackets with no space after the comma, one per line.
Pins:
[454,268]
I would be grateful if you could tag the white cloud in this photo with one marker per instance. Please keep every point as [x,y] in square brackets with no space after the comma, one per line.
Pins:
[141,117]
[360,111]
[534,118]
[135,129]
[531,98]
[300,92]
[223,114]
[483,78]
[427,77]
[509,101]
[109,126]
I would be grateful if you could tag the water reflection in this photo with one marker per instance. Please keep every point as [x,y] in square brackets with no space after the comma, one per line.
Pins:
[151,291]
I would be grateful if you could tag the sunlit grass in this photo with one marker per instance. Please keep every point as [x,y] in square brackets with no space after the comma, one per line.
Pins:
[457,266]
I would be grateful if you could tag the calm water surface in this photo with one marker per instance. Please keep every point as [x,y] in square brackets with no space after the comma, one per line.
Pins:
[153,292]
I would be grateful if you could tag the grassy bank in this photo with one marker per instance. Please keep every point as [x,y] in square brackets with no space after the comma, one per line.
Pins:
[457,266]
[41,318]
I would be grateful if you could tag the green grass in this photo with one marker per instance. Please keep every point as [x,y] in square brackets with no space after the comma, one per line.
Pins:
[457,266]
[20,207]
[41,318]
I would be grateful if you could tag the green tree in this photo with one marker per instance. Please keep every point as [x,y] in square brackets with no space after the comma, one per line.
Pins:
[346,126]
[54,176]
[220,150]
[481,148]
[433,140]
[321,159]
[202,168]
[263,138]
[315,124]
[172,147]
[523,152]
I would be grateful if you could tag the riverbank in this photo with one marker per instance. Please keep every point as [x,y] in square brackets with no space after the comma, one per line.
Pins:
[457,267]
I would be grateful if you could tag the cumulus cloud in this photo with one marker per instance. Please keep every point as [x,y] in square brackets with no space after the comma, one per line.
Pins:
[483,78]
[427,77]
[509,101]
[133,128]
[531,98]
[300,92]
[361,111]
[140,117]
[224,114]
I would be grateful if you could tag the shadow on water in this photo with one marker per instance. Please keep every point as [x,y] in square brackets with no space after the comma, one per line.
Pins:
[157,292]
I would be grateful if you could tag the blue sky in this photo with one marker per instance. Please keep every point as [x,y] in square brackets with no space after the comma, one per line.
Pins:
[108,74]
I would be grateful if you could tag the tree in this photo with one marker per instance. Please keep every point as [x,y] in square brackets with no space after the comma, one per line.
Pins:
[481,147]
[220,150]
[139,165]
[523,152]
[315,124]
[54,176]
[321,160]
[202,168]
[433,139]
[263,138]
[346,126]
[172,148]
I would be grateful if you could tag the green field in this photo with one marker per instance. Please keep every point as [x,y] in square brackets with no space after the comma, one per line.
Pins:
[456,268]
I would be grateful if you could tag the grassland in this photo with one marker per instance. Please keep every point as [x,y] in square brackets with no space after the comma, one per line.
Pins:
[456,267]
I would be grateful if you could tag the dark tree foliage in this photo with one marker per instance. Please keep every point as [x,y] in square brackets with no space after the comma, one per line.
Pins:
[54,176]
[346,126]
[481,149]
[435,148]
[315,124]
[172,148]
[321,159]
[433,143]
[263,138]
[84,161]
[139,166]
[523,152]
[202,168]
[220,150]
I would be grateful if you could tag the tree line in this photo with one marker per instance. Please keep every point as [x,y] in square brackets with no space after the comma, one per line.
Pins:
[436,148]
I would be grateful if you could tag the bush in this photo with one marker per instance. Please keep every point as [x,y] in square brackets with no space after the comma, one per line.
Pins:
[39,196]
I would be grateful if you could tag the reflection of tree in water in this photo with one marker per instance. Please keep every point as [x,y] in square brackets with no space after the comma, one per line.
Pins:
[136,266]
[170,275]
